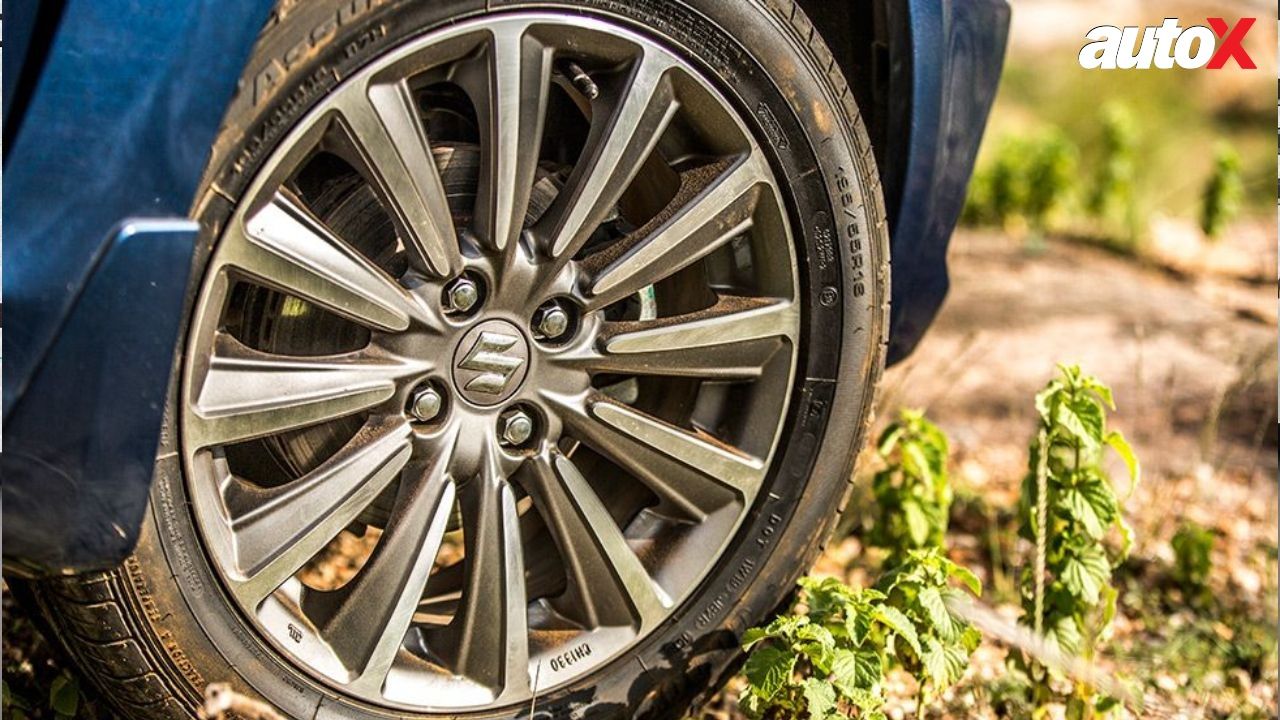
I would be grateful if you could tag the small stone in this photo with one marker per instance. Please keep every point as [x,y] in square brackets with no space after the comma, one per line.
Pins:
[1247,580]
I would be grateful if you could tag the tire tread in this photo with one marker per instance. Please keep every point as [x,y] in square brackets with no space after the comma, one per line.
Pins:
[91,618]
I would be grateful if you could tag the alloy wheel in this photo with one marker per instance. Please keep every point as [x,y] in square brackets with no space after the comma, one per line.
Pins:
[515,312]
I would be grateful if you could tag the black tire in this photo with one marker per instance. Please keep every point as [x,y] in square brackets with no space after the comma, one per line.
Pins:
[153,632]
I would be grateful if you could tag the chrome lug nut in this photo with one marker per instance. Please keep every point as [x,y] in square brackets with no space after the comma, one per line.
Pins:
[462,294]
[515,427]
[551,322]
[426,404]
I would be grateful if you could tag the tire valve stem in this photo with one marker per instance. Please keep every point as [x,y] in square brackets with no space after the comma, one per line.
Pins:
[581,80]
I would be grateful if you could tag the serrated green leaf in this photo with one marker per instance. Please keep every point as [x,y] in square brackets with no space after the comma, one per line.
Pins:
[1074,500]
[934,660]
[890,579]
[819,698]
[1063,636]
[753,636]
[769,669]
[1082,421]
[856,625]
[1103,392]
[1122,448]
[865,700]
[957,659]
[917,522]
[900,624]
[1085,572]
[815,633]
[936,609]
[64,695]
[825,597]
[1046,399]
[965,576]
[855,670]
[1101,497]
[817,644]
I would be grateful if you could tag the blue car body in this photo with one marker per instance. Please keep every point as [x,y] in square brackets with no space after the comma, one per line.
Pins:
[110,108]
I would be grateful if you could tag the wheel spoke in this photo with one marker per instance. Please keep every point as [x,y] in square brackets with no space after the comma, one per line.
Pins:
[616,148]
[714,207]
[519,77]
[732,340]
[249,394]
[488,639]
[371,615]
[279,529]
[607,582]
[285,247]
[692,472]
[383,124]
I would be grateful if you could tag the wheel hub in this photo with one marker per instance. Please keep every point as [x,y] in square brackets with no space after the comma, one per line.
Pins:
[491,362]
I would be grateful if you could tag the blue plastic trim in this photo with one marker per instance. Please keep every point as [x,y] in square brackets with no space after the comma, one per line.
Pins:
[119,125]
[80,447]
[951,69]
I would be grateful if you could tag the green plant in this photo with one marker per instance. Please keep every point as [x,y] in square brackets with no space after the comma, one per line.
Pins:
[1068,505]
[1112,192]
[64,695]
[1051,170]
[1192,549]
[1112,199]
[832,654]
[827,658]
[1029,179]
[920,588]
[912,493]
[997,191]
[1220,201]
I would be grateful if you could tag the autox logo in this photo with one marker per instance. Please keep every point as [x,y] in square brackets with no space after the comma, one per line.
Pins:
[1163,47]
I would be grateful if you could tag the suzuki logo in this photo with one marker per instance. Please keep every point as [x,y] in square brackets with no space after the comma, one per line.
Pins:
[488,356]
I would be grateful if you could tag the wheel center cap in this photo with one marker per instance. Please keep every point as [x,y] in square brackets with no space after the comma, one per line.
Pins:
[490,362]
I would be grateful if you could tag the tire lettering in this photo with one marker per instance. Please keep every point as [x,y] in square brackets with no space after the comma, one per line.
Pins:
[852,231]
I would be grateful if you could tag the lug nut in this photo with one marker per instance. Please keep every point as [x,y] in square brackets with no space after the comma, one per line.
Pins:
[426,404]
[551,322]
[515,427]
[462,294]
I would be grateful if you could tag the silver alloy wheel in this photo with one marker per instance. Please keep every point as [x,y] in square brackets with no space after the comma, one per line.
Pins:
[655,413]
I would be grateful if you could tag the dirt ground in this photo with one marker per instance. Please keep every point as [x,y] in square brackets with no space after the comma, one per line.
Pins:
[1190,351]
[1192,359]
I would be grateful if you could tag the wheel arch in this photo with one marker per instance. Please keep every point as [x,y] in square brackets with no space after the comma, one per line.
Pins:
[924,74]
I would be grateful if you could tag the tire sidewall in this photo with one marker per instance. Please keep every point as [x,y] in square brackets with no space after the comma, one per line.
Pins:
[836,215]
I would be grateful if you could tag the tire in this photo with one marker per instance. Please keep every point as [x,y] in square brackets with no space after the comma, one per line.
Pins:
[151,634]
